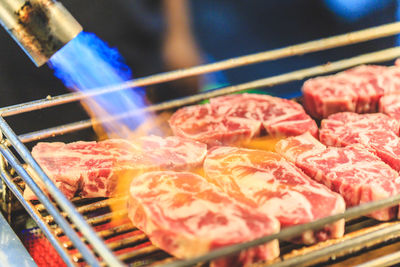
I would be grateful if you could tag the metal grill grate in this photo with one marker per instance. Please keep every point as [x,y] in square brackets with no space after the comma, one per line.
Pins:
[82,230]
[132,246]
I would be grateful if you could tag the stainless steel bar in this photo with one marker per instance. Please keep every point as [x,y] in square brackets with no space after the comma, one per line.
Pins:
[72,235]
[118,230]
[93,207]
[36,217]
[61,200]
[40,206]
[336,248]
[380,56]
[300,49]
[93,220]
[292,232]
[132,240]
[101,204]
[54,131]
[387,260]
[359,241]
[144,251]
[96,220]
[116,245]
[106,217]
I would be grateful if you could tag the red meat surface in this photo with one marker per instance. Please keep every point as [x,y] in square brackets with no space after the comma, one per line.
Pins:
[187,216]
[211,125]
[275,187]
[390,105]
[93,169]
[355,90]
[238,118]
[376,131]
[352,171]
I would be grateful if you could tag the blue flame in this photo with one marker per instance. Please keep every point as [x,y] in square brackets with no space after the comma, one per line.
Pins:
[87,62]
[353,10]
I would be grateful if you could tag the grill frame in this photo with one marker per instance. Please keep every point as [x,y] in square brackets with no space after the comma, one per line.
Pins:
[10,159]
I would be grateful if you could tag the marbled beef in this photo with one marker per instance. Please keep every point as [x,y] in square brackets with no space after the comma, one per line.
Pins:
[276,187]
[186,216]
[93,169]
[238,118]
[352,171]
[355,90]
[390,105]
[375,131]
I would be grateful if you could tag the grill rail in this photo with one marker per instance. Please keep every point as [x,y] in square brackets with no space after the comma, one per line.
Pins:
[136,249]
[380,56]
[68,226]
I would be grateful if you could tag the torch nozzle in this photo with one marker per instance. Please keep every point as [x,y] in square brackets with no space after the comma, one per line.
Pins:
[40,27]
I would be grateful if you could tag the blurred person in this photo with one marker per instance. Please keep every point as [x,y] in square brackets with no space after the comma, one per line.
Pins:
[226,29]
[160,35]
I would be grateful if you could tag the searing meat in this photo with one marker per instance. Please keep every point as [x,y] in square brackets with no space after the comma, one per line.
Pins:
[172,152]
[210,125]
[276,187]
[186,216]
[94,168]
[352,171]
[376,131]
[238,118]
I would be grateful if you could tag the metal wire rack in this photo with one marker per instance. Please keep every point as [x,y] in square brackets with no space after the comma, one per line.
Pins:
[79,229]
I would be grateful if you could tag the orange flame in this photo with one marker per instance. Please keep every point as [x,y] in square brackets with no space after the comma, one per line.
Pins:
[263,143]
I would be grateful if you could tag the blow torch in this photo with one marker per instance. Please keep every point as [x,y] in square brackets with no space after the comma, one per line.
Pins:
[40,27]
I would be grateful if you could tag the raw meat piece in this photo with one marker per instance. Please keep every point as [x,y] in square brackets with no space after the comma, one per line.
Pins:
[363,80]
[378,132]
[276,187]
[293,126]
[390,79]
[94,168]
[186,216]
[356,90]
[173,152]
[299,147]
[324,96]
[210,125]
[90,166]
[390,105]
[354,172]
[279,116]
[238,118]
[374,121]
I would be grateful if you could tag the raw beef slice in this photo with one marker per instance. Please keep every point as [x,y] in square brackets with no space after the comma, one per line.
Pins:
[173,152]
[356,90]
[299,147]
[276,187]
[211,125]
[389,80]
[238,118]
[390,105]
[186,216]
[94,168]
[352,171]
[280,117]
[377,132]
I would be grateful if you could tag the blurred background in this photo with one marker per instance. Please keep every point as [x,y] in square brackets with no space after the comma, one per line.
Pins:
[157,36]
